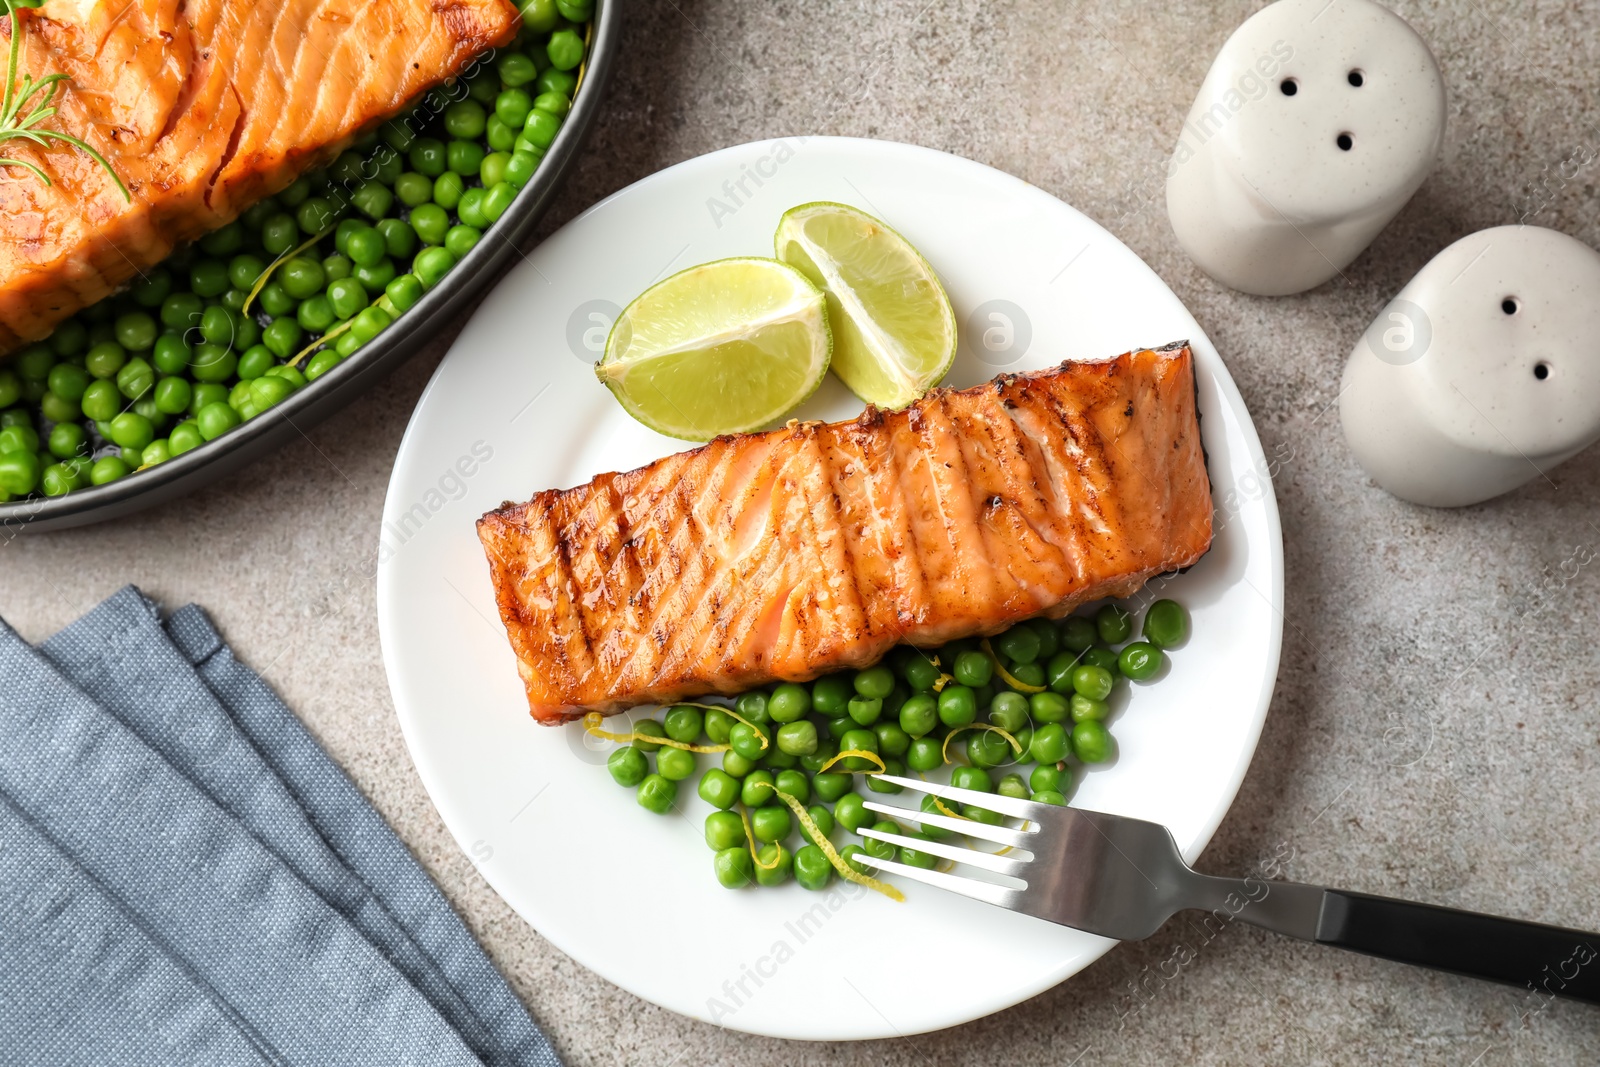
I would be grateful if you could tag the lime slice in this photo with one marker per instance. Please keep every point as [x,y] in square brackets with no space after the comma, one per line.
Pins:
[894,334]
[724,347]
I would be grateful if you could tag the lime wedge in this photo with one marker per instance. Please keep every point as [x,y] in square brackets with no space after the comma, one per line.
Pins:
[894,334]
[725,347]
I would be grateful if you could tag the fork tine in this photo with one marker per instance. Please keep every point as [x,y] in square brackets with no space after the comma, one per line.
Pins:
[1019,809]
[998,895]
[970,856]
[1000,835]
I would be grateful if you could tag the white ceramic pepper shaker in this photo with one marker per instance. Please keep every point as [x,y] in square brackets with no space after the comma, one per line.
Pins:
[1315,124]
[1483,372]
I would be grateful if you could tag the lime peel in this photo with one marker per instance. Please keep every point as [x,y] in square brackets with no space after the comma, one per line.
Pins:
[1016,746]
[861,753]
[1005,675]
[591,725]
[846,871]
[750,839]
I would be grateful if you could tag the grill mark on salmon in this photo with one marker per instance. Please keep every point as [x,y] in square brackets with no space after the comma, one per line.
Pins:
[788,554]
[203,108]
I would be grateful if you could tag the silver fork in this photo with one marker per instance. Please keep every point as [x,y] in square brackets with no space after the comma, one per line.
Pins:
[1123,878]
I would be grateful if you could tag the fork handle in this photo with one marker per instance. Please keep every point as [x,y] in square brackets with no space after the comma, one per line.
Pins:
[1545,959]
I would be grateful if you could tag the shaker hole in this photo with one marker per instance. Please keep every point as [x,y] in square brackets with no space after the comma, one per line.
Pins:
[1541,371]
[1289,86]
[1357,79]
[1510,306]
[1346,142]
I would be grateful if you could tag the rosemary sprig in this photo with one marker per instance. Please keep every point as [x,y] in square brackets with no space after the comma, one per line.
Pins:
[15,125]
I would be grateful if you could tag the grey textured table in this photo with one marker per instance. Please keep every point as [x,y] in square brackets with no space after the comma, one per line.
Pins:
[1435,731]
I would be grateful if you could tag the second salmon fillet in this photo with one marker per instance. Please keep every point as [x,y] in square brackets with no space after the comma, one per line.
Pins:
[789,554]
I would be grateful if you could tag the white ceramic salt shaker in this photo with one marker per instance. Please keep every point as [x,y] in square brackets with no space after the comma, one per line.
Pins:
[1315,124]
[1483,372]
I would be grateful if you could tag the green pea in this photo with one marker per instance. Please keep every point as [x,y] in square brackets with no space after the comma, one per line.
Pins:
[184,437]
[1103,658]
[512,106]
[1049,796]
[1049,777]
[1091,741]
[59,409]
[919,715]
[892,740]
[67,439]
[520,169]
[859,741]
[428,157]
[1058,674]
[683,723]
[757,789]
[576,10]
[364,245]
[321,363]
[657,794]
[1049,707]
[879,784]
[283,337]
[399,239]
[1013,786]
[413,189]
[823,819]
[1140,661]
[208,278]
[316,314]
[719,788]
[864,711]
[217,325]
[565,49]
[1009,711]
[776,865]
[33,363]
[347,297]
[157,451]
[851,812]
[1113,624]
[831,694]
[750,741]
[404,292]
[103,360]
[296,192]
[831,785]
[269,391]
[882,850]
[1050,744]
[21,437]
[275,299]
[19,472]
[717,724]
[462,239]
[649,728]
[1049,637]
[132,430]
[973,668]
[215,419]
[628,766]
[149,291]
[68,381]
[753,706]
[555,103]
[301,277]
[797,738]
[500,137]
[465,159]
[958,706]
[279,234]
[724,829]
[136,330]
[172,396]
[812,869]
[1020,644]
[515,68]
[58,480]
[733,866]
[10,388]
[1166,624]
[1093,682]
[771,824]
[925,754]
[432,264]
[985,748]
[212,363]
[464,119]
[974,778]
[374,278]
[675,764]
[1078,633]
[737,765]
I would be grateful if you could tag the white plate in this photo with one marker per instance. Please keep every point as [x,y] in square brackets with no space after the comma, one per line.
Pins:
[515,408]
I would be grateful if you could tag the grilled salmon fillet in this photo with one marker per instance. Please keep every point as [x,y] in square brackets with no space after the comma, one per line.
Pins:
[785,555]
[202,107]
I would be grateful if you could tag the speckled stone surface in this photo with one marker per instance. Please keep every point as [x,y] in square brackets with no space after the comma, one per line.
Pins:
[1435,731]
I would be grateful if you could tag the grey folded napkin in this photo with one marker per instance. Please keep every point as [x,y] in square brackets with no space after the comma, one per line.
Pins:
[186,877]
